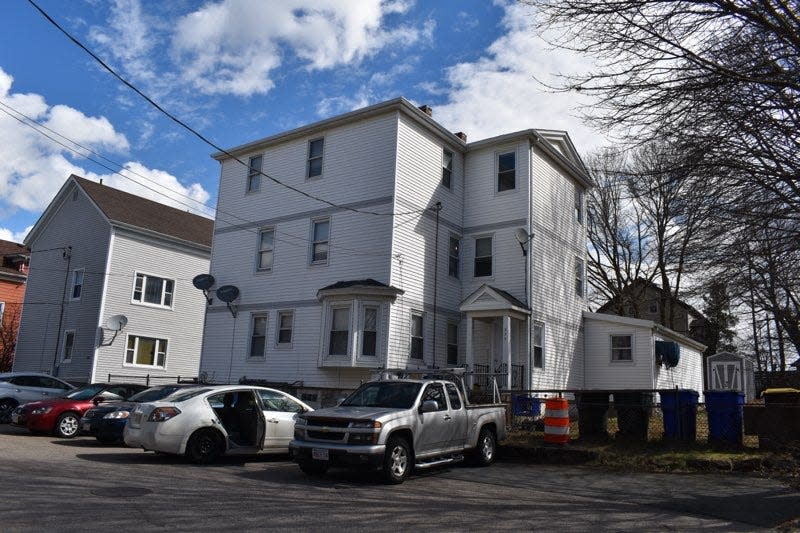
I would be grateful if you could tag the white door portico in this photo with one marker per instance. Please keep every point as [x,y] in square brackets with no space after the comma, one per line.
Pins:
[497,332]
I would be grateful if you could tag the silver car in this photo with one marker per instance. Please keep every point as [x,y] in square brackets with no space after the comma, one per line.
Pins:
[206,422]
[17,388]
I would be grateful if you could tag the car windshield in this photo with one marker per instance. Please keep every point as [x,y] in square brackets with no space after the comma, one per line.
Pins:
[189,394]
[84,393]
[155,393]
[391,394]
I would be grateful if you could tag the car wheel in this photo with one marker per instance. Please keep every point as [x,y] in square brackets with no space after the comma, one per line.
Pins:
[397,460]
[486,450]
[67,425]
[204,446]
[313,467]
[6,406]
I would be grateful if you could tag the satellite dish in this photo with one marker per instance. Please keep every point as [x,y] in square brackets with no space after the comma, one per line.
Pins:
[117,322]
[228,293]
[203,281]
[522,235]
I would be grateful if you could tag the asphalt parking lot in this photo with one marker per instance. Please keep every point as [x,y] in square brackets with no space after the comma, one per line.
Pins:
[51,484]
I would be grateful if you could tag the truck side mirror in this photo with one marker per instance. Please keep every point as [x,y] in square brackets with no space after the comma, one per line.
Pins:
[428,406]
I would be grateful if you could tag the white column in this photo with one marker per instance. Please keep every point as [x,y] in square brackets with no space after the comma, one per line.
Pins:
[470,357]
[507,348]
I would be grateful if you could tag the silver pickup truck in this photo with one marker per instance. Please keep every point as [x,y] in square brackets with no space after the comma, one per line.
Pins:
[396,425]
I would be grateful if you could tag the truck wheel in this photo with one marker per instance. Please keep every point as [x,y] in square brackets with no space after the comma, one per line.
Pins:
[313,467]
[486,448]
[397,461]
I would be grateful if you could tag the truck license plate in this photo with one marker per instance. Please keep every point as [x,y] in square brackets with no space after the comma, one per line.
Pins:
[319,454]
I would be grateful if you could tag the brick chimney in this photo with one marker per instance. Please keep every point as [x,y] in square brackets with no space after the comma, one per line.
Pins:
[428,110]
[461,135]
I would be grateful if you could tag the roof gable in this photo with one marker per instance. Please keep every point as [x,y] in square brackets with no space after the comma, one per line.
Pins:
[488,298]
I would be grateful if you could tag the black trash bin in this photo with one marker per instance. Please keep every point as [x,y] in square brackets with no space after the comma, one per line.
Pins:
[592,414]
[633,414]
[679,408]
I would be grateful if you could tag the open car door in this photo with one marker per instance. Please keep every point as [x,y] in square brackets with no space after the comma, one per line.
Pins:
[280,412]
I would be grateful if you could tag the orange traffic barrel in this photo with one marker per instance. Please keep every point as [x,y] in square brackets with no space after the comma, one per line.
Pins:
[556,421]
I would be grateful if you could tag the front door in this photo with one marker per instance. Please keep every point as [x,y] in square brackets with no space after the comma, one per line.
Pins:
[457,430]
[280,412]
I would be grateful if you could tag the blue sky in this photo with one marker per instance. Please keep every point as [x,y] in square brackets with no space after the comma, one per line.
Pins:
[240,70]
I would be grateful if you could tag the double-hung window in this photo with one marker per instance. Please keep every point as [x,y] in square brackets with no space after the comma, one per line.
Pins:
[146,351]
[69,343]
[483,256]
[320,235]
[314,164]
[578,204]
[369,331]
[417,338]
[579,277]
[77,283]
[454,253]
[447,168]
[254,174]
[506,171]
[153,290]
[266,243]
[285,326]
[538,345]
[340,331]
[622,347]
[258,335]
[452,344]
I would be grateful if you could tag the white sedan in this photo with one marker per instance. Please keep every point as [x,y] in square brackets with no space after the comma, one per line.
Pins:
[206,422]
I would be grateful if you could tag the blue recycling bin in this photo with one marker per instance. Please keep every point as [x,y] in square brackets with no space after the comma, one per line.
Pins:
[725,413]
[525,405]
[679,408]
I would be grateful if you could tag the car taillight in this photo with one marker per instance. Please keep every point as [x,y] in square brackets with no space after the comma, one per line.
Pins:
[162,414]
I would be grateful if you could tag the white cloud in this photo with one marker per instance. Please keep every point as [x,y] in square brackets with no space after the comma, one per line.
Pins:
[128,37]
[33,168]
[499,93]
[9,235]
[232,46]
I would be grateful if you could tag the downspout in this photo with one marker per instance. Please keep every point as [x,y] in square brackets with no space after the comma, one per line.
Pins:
[528,265]
[438,208]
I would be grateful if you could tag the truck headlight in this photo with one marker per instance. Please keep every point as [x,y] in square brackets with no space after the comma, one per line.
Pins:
[364,424]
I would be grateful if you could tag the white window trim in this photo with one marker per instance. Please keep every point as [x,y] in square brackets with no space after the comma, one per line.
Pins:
[283,345]
[63,357]
[72,285]
[327,261]
[497,154]
[339,304]
[146,275]
[250,328]
[447,342]
[359,334]
[459,257]
[544,346]
[247,189]
[611,348]
[125,362]
[475,255]
[308,159]
[421,314]
[452,168]
[260,270]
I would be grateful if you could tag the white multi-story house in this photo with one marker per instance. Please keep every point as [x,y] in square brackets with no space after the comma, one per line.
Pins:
[110,293]
[407,248]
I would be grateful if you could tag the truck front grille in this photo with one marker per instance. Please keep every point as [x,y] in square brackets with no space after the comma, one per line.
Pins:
[325,435]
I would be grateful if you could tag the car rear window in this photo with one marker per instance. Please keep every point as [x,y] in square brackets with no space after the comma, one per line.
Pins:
[189,394]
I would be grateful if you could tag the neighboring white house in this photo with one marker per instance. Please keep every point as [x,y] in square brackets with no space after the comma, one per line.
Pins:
[624,353]
[410,248]
[99,254]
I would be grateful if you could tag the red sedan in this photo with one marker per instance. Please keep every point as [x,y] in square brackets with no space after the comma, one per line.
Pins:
[60,416]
